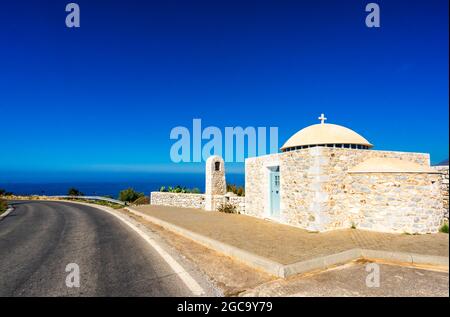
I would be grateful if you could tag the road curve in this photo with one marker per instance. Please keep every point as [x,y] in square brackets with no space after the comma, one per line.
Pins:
[39,239]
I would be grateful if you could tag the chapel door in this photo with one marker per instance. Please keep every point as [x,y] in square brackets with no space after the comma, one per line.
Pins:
[275,194]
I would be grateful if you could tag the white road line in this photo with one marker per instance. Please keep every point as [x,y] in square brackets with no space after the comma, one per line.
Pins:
[187,279]
[6,213]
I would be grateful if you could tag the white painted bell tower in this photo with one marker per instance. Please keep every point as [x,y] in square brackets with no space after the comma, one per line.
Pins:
[215,180]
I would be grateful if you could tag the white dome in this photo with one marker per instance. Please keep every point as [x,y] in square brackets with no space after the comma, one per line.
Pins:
[325,133]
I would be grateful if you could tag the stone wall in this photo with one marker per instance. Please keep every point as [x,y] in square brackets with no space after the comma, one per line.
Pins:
[394,202]
[318,193]
[178,199]
[338,185]
[303,191]
[257,184]
[195,200]
[443,169]
[238,202]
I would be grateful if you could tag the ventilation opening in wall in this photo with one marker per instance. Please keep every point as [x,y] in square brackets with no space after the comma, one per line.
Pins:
[217,166]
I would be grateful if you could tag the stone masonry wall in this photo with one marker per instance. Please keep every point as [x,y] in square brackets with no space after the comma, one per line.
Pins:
[194,200]
[443,169]
[303,193]
[238,202]
[257,184]
[316,188]
[178,199]
[339,185]
[395,202]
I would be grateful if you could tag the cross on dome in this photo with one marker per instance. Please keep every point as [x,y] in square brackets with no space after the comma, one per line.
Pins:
[328,135]
[322,118]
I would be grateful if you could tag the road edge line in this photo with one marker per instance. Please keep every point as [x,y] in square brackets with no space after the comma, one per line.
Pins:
[6,213]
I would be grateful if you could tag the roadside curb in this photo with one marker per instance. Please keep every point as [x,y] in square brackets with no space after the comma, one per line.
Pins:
[6,213]
[286,270]
[403,257]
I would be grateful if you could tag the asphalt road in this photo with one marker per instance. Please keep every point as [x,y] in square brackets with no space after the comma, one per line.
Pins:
[39,239]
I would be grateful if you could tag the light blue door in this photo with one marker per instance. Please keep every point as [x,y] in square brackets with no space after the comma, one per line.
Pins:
[275,194]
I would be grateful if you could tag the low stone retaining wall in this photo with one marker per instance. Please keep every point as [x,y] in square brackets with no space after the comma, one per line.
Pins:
[178,200]
[236,201]
[444,186]
[195,200]
[239,202]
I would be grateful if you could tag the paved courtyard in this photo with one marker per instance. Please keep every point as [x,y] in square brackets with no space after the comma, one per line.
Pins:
[286,244]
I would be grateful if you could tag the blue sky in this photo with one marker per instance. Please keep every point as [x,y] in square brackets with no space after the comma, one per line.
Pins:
[103,98]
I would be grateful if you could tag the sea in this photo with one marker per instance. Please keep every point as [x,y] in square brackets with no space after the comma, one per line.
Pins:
[111,187]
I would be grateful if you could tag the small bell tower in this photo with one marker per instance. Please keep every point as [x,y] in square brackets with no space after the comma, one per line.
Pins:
[215,180]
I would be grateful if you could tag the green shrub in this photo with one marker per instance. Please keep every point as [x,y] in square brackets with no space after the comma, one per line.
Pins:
[74,192]
[238,190]
[3,206]
[179,189]
[231,188]
[195,190]
[129,195]
[227,208]
[144,200]
[444,228]
[5,193]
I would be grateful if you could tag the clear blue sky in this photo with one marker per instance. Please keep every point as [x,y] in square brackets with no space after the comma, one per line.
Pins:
[104,97]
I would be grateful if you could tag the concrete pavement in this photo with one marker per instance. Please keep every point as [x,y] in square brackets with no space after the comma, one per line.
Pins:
[283,250]
[237,279]
[286,244]
[38,240]
[350,280]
